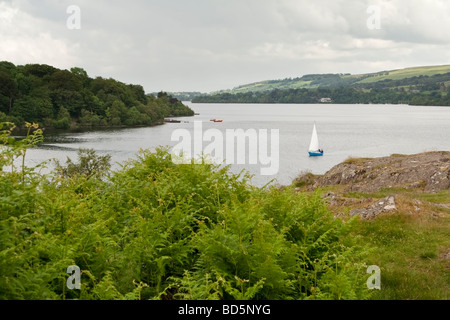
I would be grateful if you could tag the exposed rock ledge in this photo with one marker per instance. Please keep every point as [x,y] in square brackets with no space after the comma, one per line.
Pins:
[428,171]
[425,172]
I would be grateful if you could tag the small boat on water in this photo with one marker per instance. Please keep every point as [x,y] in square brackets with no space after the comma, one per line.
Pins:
[314,150]
[216,120]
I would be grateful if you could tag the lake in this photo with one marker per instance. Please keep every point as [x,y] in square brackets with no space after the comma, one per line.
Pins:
[344,131]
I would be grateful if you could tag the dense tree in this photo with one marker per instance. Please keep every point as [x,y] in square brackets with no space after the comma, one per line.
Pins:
[63,99]
[41,71]
[79,72]
[8,89]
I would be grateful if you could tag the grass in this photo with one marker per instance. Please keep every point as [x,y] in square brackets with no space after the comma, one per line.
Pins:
[382,193]
[409,251]
[410,244]
[407,73]
[357,161]
[398,155]
[304,179]
[270,85]
[440,197]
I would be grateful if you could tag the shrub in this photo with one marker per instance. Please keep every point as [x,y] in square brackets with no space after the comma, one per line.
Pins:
[89,164]
[156,230]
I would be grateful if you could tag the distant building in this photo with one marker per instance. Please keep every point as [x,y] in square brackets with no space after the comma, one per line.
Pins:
[325,100]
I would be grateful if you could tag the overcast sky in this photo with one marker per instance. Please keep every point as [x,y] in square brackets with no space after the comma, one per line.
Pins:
[208,45]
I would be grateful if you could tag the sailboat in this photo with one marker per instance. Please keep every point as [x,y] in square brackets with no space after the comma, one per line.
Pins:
[314,150]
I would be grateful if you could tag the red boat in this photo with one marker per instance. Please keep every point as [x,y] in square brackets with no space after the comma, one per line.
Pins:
[216,120]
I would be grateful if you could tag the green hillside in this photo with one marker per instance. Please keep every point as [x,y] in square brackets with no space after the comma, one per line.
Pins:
[429,85]
[405,73]
[268,85]
[314,81]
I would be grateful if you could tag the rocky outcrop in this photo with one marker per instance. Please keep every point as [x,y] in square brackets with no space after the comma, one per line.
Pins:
[428,171]
[366,208]
[384,205]
[398,174]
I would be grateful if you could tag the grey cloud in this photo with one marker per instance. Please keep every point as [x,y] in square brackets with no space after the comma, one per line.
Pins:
[206,45]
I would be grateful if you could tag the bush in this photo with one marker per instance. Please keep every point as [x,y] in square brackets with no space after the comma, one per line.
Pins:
[89,165]
[61,123]
[156,230]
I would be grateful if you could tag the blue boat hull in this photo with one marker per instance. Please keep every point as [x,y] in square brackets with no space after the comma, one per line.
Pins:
[315,154]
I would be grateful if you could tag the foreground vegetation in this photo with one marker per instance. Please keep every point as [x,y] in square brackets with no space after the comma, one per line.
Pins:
[411,244]
[412,251]
[64,99]
[156,230]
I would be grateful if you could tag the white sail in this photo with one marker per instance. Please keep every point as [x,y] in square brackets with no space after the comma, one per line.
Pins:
[314,145]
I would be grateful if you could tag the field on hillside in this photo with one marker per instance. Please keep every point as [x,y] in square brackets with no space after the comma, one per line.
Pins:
[314,81]
[407,73]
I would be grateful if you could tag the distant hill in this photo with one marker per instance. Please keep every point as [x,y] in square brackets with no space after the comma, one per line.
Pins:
[428,85]
[402,74]
[313,81]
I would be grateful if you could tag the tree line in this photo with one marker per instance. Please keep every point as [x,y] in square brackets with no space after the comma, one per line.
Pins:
[63,99]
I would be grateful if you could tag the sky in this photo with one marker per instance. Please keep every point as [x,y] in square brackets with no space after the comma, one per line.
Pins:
[209,45]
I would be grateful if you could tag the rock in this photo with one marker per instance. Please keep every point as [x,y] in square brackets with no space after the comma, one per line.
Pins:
[330,195]
[331,198]
[390,204]
[384,205]
[428,171]
[442,205]
[446,254]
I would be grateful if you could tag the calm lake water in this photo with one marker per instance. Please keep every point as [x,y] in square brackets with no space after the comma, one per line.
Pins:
[344,131]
